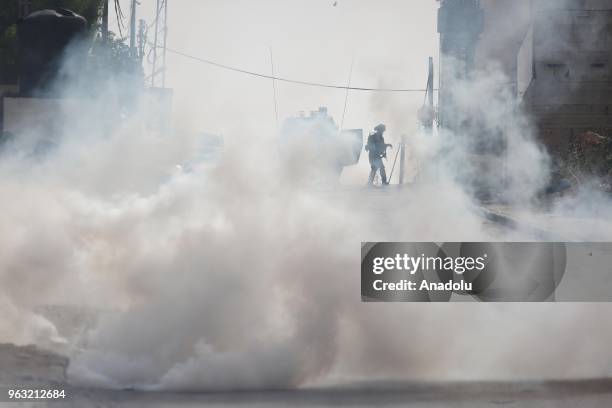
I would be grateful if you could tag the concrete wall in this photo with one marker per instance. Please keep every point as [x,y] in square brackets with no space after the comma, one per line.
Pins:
[571,89]
[37,124]
[506,23]
[23,116]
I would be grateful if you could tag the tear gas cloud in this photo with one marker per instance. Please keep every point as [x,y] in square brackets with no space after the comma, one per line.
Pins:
[232,277]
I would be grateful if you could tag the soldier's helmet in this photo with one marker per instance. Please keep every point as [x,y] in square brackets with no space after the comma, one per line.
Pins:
[380,128]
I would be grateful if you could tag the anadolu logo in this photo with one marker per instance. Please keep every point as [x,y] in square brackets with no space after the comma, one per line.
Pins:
[429,272]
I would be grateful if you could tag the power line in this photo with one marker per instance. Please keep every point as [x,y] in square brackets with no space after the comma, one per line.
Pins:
[120,17]
[157,14]
[293,81]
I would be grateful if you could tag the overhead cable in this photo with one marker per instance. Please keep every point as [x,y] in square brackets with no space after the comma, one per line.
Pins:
[293,81]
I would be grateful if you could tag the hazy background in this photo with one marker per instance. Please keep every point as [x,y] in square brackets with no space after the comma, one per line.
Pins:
[230,277]
[390,41]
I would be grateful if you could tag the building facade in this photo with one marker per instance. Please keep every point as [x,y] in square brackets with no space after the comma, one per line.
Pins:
[564,70]
[555,54]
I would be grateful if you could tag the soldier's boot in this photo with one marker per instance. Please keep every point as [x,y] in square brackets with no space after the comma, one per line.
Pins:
[383,176]
[372,176]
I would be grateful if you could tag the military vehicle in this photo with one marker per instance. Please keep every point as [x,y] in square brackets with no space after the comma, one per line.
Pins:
[314,149]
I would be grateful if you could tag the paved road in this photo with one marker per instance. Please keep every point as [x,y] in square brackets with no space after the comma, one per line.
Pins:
[577,394]
[586,394]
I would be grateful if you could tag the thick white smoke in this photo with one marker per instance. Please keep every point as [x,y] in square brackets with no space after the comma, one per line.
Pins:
[230,277]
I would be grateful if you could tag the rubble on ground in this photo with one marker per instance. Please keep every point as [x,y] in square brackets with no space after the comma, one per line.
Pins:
[590,156]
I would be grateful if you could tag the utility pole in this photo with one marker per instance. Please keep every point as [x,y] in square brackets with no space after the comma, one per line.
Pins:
[430,85]
[105,22]
[427,113]
[154,64]
[160,38]
[142,39]
[165,42]
[274,88]
[133,29]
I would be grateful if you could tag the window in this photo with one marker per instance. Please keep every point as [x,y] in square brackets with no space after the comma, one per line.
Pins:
[558,70]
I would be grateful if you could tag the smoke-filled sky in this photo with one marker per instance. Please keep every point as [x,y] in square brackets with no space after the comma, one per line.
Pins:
[312,40]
